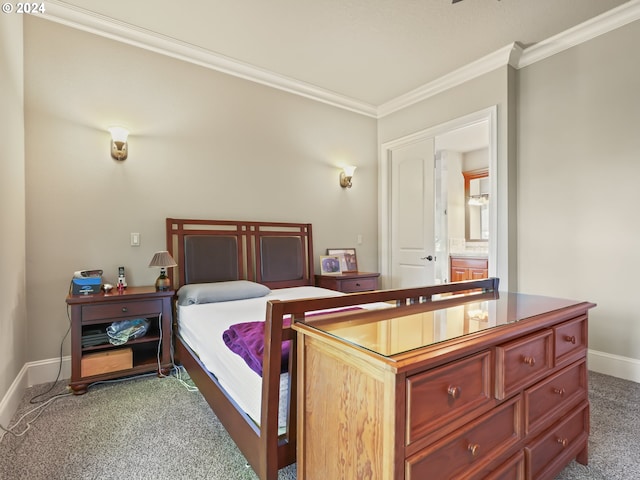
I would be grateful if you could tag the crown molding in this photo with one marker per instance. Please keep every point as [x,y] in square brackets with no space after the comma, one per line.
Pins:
[508,55]
[604,23]
[101,25]
[514,55]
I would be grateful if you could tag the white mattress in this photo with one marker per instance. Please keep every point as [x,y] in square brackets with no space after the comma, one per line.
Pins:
[201,327]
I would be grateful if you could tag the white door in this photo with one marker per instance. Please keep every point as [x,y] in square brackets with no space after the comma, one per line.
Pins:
[412,215]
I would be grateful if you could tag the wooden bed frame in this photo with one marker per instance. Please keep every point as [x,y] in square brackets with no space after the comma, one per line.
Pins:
[278,255]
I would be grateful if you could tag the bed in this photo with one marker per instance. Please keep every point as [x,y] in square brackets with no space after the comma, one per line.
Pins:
[278,257]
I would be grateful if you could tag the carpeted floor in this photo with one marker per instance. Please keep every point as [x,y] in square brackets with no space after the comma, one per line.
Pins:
[152,428]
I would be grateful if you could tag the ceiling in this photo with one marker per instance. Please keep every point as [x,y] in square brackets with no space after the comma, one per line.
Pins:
[371,51]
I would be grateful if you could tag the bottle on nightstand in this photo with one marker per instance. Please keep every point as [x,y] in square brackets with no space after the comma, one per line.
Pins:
[122,282]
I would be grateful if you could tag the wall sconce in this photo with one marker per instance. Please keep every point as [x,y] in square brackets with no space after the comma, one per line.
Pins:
[119,148]
[345,176]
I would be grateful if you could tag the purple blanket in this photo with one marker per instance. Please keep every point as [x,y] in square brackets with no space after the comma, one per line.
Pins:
[247,340]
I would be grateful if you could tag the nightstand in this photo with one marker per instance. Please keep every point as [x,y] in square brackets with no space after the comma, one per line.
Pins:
[94,359]
[349,282]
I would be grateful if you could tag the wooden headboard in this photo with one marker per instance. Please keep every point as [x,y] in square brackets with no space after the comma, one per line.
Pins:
[275,254]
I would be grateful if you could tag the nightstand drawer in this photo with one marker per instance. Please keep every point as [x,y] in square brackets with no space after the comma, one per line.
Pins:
[359,284]
[121,310]
[349,282]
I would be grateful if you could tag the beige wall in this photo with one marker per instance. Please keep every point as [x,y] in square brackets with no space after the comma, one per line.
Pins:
[13,313]
[202,145]
[579,168]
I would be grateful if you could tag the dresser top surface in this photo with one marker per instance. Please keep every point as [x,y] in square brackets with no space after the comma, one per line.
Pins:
[393,331]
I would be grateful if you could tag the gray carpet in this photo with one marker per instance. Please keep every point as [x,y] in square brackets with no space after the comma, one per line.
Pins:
[153,428]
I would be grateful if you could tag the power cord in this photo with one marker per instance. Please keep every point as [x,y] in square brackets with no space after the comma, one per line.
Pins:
[41,409]
[179,372]
[33,399]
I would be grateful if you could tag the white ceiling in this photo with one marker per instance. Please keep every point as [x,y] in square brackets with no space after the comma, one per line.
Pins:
[371,51]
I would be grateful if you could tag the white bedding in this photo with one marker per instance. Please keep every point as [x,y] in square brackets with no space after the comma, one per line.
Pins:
[201,327]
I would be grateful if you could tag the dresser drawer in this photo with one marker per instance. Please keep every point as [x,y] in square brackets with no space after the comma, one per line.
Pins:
[442,397]
[471,447]
[520,363]
[121,310]
[546,456]
[570,340]
[358,284]
[512,469]
[553,395]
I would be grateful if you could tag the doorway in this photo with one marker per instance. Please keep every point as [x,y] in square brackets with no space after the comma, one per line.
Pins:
[419,177]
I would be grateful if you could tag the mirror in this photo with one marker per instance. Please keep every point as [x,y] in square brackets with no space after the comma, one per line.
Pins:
[476,193]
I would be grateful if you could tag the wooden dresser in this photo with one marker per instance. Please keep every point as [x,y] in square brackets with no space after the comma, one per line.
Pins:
[477,388]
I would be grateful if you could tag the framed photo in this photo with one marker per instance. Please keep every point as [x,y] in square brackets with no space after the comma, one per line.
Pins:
[348,260]
[330,265]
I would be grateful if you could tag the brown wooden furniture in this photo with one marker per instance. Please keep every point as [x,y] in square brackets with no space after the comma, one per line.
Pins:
[468,268]
[349,282]
[275,254]
[408,393]
[92,313]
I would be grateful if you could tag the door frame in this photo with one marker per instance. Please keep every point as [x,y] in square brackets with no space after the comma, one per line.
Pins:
[489,115]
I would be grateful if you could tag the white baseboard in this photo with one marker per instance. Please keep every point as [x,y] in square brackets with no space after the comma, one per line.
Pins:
[614,365]
[32,373]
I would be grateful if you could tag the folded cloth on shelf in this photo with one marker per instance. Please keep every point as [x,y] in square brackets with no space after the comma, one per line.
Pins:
[121,332]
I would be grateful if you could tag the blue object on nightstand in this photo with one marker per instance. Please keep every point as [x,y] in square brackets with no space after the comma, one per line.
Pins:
[85,285]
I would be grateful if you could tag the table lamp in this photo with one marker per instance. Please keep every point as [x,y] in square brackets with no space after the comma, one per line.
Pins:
[163,260]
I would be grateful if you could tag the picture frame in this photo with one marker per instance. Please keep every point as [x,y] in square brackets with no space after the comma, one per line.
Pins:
[348,258]
[330,265]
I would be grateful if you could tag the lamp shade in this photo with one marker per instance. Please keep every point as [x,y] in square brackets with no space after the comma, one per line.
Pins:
[162,259]
[349,170]
[119,134]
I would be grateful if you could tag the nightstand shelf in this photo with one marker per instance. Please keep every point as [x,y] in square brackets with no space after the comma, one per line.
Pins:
[349,282]
[94,359]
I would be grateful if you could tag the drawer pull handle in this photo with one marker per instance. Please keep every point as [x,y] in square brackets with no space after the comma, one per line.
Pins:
[563,441]
[125,309]
[474,448]
[570,339]
[531,361]
[559,391]
[357,284]
[454,392]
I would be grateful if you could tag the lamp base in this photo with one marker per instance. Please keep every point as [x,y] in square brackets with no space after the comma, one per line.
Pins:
[163,283]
